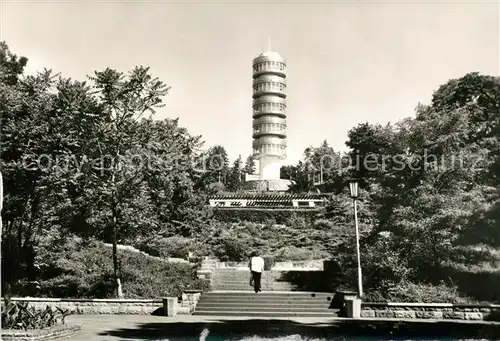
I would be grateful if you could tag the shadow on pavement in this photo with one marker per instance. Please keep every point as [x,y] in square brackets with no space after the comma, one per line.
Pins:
[335,330]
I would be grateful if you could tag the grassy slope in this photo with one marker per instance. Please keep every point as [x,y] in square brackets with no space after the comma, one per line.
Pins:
[85,270]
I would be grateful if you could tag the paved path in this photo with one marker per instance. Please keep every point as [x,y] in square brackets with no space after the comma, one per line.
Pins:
[144,327]
[189,327]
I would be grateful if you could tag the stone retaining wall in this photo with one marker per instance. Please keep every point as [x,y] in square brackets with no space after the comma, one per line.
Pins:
[112,306]
[431,311]
[189,302]
[307,265]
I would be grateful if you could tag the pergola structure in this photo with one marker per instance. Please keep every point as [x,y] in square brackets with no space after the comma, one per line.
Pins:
[267,200]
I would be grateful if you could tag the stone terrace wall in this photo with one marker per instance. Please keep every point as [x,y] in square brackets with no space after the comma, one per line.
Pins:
[306,265]
[431,311]
[95,306]
[112,306]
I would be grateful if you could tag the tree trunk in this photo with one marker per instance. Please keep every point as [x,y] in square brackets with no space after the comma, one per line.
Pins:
[119,291]
[1,203]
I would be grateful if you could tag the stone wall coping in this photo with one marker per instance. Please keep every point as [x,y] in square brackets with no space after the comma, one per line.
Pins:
[194,291]
[463,305]
[82,300]
[428,305]
[273,269]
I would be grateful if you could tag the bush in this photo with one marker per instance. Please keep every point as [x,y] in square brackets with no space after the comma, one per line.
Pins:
[324,224]
[231,249]
[175,247]
[383,265]
[296,221]
[292,253]
[268,262]
[251,228]
[18,315]
[421,293]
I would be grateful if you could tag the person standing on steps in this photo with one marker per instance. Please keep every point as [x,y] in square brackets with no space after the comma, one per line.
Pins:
[257,268]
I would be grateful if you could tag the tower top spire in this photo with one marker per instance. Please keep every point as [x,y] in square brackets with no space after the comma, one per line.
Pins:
[269,44]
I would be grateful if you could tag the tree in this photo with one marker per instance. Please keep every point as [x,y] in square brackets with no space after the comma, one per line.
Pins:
[430,179]
[26,108]
[299,175]
[480,94]
[216,164]
[235,177]
[86,158]
[171,177]
[325,166]
[11,67]
[249,165]
[123,101]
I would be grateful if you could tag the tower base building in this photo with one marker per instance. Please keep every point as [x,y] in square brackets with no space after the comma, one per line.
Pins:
[269,168]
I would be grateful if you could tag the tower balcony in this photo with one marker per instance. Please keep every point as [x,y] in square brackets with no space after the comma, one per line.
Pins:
[270,113]
[269,63]
[269,85]
[271,79]
[273,91]
[276,132]
[269,146]
[268,120]
[273,70]
[273,100]
[260,152]
[273,105]
[269,125]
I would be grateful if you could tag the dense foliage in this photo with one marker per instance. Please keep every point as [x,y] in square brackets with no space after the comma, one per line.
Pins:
[87,159]
[433,190]
[84,162]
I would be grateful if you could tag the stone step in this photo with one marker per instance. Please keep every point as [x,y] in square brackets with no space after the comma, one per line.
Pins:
[247,284]
[259,301]
[268,309]
[258,305]
[245,273]
[247,288]
[282,294]
[251,289]
[247,277]
[266,313]
[246,280]
[265,304]
[285,304]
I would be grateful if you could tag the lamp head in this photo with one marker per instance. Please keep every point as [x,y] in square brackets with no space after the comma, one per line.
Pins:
[353,187]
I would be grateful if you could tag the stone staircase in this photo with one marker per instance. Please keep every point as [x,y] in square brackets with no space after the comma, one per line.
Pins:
[239,280]
[232,295]
[265,304]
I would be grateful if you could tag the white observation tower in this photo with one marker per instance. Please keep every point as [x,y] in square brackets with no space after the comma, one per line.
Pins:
[269,114]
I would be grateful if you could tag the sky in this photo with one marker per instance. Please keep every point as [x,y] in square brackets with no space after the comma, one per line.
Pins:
[348,62]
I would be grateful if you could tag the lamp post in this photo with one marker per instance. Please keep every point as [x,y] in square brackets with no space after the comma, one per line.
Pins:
[353,187]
